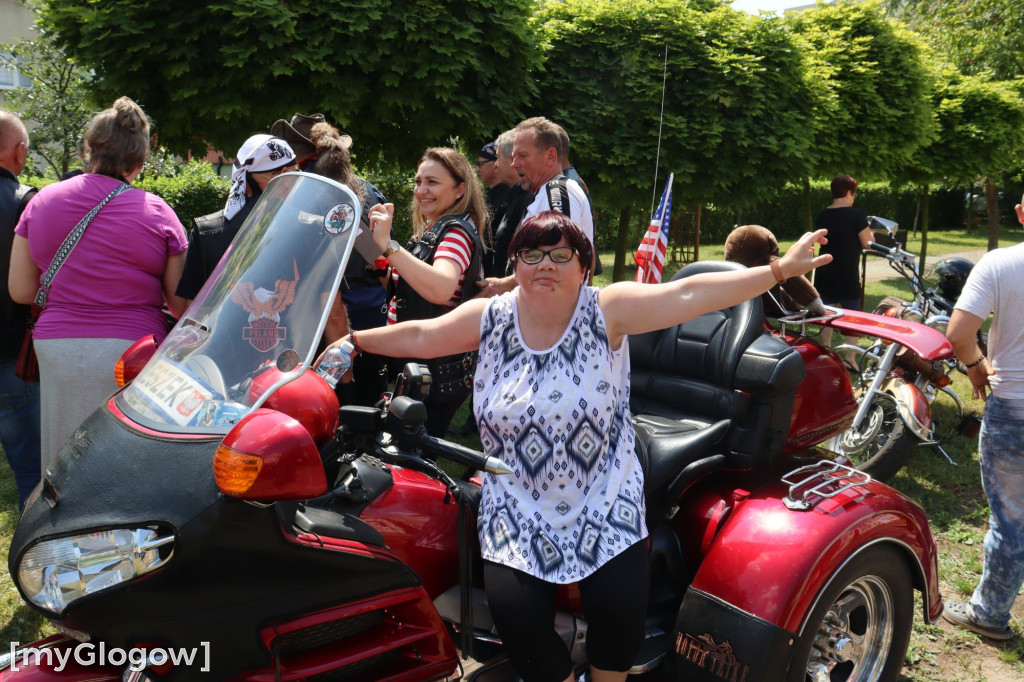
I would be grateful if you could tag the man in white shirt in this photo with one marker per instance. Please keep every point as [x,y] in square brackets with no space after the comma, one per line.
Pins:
[537,160]
[996,285]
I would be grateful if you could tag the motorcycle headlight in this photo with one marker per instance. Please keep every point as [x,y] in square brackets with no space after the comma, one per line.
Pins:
[56,572]
[912,314]
[938,323]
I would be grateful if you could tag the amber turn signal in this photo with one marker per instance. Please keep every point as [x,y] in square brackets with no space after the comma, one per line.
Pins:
[133,360]
[235,472]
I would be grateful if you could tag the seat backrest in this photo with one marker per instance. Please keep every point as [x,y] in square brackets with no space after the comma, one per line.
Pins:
[699,356]
[689,372]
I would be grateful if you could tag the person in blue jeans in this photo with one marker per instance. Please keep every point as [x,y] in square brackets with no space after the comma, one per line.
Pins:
[996,285]
[19,429]
[19,401]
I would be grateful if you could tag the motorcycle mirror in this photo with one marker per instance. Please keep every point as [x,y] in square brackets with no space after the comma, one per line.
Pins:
[405,418]
[134,359]
[414,381]
[269,456]
[890,226]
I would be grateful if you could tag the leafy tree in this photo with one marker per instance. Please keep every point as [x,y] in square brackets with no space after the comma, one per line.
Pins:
[876,111]
[58,104]
[736,102]
[397,75]
[979,134]
[976,35]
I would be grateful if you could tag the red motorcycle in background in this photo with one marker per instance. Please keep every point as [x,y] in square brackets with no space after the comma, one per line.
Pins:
[222,506]
[907,397]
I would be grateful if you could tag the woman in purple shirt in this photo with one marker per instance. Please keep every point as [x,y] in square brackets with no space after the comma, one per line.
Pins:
[111,289]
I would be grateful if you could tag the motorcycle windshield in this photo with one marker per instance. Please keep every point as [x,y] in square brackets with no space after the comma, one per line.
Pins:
[265,305]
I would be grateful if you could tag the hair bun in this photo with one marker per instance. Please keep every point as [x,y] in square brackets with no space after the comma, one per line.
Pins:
[130,116]
[323,135]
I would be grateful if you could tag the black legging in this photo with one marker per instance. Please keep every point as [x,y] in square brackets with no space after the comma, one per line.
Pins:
[614,603]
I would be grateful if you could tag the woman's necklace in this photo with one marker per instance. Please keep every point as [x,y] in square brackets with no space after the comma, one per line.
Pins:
[546,334]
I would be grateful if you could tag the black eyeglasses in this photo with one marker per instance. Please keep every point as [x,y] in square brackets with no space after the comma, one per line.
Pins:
[484,162]
[561,254]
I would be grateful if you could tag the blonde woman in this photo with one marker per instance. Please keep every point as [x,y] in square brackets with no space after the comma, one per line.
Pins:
[438,269]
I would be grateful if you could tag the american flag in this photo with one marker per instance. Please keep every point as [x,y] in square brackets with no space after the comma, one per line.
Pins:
[650,257]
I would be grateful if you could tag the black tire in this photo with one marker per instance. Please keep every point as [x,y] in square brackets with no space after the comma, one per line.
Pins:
[859,629]
[882,444]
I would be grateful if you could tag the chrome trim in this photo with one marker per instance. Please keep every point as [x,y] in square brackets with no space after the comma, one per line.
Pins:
[816,483]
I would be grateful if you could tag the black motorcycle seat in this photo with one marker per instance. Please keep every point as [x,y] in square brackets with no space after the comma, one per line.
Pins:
[666,447]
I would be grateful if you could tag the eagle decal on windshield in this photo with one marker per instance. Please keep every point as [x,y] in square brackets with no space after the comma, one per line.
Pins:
[265,307]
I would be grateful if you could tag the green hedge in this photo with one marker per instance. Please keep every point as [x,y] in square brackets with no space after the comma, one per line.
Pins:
[193,190]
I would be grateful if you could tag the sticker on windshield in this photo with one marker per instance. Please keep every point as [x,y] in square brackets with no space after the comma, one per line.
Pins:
[173,392]
[265,307]
[339,218]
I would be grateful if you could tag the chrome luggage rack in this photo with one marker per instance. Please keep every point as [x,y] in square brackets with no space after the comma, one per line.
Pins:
[827,479]
[803,318]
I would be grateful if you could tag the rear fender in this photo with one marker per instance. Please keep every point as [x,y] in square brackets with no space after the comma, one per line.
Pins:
[771,561]
[768,564]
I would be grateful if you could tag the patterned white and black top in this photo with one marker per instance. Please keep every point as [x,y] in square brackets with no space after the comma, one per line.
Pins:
[560,419]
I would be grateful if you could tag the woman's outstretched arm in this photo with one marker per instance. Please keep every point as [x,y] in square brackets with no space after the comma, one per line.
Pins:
[631,308]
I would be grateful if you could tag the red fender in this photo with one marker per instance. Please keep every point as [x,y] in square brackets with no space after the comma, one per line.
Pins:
[772,562]
[913,405]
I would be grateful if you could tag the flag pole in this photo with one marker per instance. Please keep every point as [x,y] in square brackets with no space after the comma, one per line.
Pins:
[661,123]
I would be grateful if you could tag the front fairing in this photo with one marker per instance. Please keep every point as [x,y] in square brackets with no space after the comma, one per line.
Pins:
[144,459]
[265,305]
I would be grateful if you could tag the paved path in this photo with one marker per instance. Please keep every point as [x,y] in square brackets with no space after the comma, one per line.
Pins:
[878,267]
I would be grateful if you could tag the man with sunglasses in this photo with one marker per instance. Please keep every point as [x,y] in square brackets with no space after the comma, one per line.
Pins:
[498,195]
[260,159]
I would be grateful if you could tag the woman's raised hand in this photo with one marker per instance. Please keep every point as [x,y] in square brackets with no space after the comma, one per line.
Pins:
[800,258]
[381,216]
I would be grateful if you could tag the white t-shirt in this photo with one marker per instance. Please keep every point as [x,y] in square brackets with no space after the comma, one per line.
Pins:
[578,209]
[996,285]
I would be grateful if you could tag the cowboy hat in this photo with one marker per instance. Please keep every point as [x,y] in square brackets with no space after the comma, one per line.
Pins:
[297,133]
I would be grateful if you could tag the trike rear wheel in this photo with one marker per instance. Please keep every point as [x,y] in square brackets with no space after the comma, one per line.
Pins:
[860,627]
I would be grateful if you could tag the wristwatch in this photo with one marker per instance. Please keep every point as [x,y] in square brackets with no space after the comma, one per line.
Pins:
[392,247]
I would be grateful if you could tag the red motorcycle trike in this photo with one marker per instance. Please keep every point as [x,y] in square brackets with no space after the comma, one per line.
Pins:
[220,517]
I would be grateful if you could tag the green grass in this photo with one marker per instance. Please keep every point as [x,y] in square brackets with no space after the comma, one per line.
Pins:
[951,495]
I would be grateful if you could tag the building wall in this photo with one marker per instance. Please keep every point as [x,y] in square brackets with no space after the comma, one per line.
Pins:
[15,23]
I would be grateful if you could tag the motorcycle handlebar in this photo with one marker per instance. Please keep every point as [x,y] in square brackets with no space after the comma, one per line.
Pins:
[894,254]
[463,455]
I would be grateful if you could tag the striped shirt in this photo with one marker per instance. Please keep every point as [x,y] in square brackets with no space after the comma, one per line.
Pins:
[456,247]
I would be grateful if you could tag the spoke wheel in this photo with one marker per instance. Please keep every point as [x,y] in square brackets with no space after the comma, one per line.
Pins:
[860,628]
[882,444]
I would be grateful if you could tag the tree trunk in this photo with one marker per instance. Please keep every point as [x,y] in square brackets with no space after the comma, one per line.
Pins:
[621,244]
[808,220]
[696,236]
[924,227]
[992,206]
